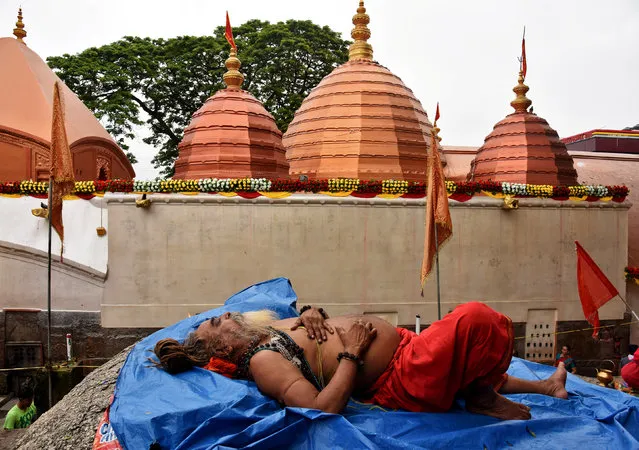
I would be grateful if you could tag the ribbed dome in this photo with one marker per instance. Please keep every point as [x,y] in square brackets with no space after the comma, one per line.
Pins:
[26,105]
[523,148]
[231,136]
[361,121]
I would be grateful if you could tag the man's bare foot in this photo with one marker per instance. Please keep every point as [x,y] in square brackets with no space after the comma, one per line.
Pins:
[555,385]
[490,403]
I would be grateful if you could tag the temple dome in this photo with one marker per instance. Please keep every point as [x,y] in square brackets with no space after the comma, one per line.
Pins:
[231,136]
[361,121]
[523,148]
[26,96]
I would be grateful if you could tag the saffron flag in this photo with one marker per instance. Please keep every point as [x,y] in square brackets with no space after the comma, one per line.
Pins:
[229,33]
[437,113]
[595,289]
[61,172]
[439,226]
[524,67]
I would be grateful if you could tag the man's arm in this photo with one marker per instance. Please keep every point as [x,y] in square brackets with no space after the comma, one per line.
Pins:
[278,378]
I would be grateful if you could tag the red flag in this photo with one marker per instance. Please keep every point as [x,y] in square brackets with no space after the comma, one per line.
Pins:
[437,213]
[524,67]
[595,289]
[437,113]
[61,171]
[229,33]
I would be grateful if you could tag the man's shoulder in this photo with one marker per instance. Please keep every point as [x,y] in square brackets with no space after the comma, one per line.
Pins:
[14,411]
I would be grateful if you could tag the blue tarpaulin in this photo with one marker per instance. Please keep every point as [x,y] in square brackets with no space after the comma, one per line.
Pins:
[203,410]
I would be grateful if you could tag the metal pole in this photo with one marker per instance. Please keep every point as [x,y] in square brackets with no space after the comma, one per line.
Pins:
[439,304]
[49,299]
[628,306]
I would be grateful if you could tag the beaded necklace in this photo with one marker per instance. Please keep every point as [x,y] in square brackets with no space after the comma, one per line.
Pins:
[285,346]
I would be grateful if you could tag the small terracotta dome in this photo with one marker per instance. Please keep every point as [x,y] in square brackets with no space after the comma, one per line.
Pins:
[26,99]
[231,136]
[523,148]
[361,121]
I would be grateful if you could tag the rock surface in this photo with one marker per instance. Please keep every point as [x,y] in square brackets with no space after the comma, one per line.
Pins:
[72,422]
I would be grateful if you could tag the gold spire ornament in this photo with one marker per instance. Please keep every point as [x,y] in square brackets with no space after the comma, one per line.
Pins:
[521,103]
[233,78]
[360,49]
[19,31]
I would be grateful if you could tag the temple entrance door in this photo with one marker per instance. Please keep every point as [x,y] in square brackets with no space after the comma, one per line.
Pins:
[541,325]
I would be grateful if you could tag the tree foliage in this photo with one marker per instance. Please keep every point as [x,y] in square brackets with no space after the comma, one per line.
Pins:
[160,83]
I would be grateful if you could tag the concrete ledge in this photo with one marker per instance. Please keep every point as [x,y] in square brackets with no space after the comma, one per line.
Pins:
[40,258]
[319,199]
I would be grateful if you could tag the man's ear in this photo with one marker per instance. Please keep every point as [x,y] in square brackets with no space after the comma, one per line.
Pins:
[224,351]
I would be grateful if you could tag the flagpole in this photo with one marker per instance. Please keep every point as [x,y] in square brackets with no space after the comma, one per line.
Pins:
[628,306]
[439,305]
[49,296]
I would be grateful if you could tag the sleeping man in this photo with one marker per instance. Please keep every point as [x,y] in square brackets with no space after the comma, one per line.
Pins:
[464,354]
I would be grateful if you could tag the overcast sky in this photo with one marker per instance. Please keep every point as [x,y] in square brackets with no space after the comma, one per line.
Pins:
[583,64]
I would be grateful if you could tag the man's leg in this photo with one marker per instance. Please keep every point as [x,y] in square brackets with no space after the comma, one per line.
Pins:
[554,386]
[484,400]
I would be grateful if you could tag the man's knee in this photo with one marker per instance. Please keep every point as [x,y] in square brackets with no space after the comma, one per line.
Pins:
[476,310]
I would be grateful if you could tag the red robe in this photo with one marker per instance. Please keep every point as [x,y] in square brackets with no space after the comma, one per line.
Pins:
[473,343]
[630,372]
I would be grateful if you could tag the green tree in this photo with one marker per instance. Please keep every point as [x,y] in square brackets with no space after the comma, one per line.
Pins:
[160,83]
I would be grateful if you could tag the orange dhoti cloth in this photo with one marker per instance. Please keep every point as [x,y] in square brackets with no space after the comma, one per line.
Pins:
[630,372]
[472,344]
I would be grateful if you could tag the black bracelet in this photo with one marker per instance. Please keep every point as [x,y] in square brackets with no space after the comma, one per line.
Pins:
[320,310]
[356,359]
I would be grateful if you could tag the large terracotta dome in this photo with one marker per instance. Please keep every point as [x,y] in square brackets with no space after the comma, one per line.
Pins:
[523,148]
[361,121]
[26,99]
[231,136]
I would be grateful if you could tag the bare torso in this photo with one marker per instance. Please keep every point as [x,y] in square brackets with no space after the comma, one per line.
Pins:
[376,358]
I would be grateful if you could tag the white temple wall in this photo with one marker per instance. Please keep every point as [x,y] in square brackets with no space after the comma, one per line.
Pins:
[186,254]
[82,245]
[77,284]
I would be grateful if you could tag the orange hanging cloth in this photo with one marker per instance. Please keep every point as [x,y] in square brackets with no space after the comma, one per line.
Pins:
[437,212]
[61,171]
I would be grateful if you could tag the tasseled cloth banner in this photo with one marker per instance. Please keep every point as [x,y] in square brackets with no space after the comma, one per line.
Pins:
[61,164]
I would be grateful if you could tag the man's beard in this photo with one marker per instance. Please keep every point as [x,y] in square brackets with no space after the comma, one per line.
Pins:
[253,328]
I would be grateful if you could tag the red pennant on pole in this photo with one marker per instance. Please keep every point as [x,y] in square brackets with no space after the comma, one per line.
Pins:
[524,66]
[595,289]
[437,113]
[229,33]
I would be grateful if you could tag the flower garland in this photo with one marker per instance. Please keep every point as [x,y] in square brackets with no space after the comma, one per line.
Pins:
[632,273]
[458,190]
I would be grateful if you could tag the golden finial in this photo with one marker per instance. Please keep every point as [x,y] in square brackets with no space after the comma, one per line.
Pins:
[233,78]
[521,103]
[361,49]
[19,31]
